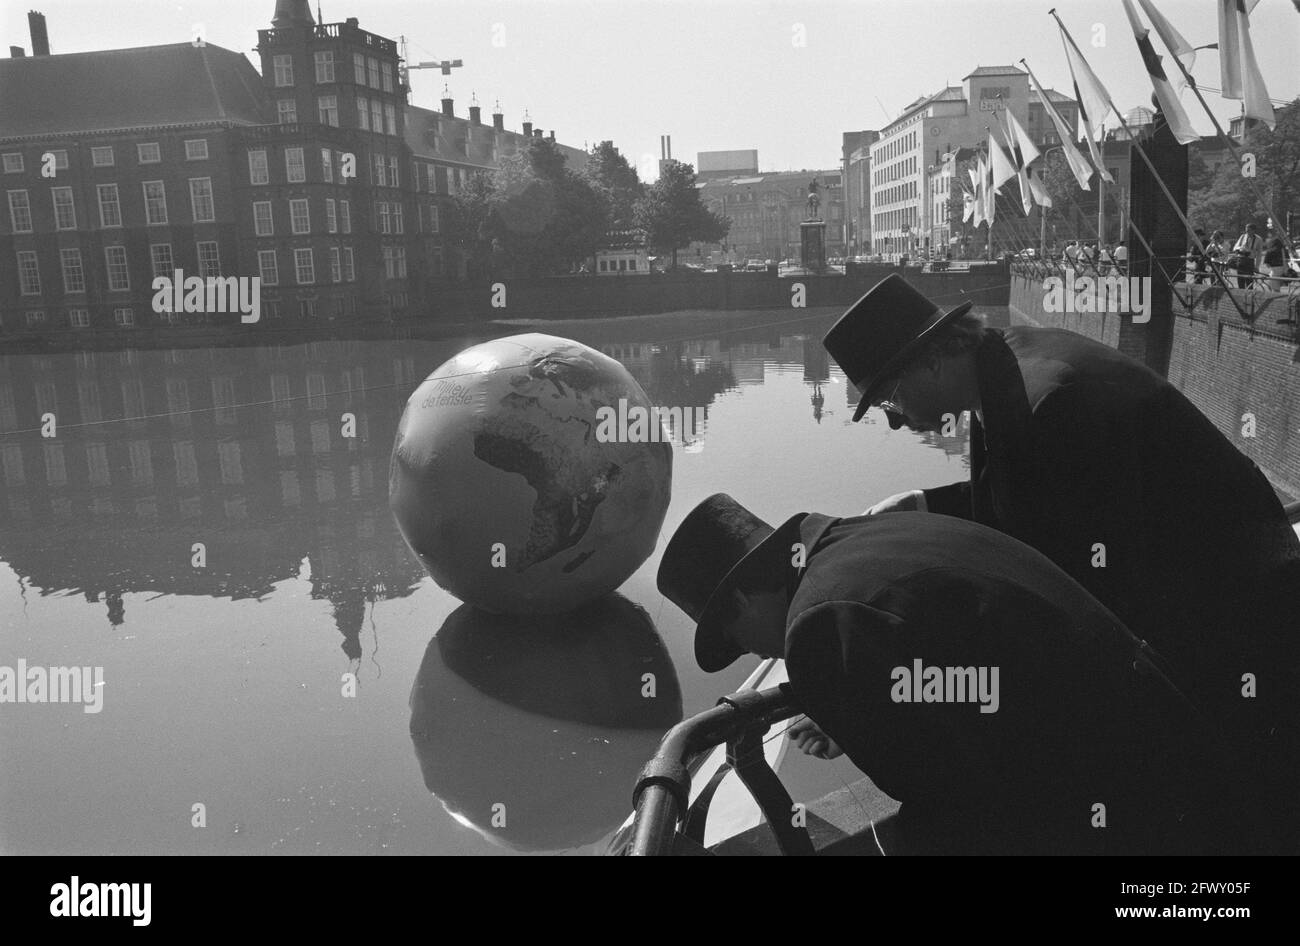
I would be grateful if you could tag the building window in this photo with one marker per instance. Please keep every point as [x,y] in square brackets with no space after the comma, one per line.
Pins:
[381,208]
[363,112]
[396,209]
[79,318]
[433,218]
[372,68]
[304,267]
[149,153]
[74,278]
[436,264]
[257,168]
[327,107]
[295,167]
[119,279]
[102,157]
[331,217]
[349,272]
[35,317]
[376,116]
[307,310]
[29,273]
[262,225]
[336,265]
[345,214]
[60,160]
[286,111]
[196,150]
[110,208]
[395,262]
[325,65]
[155,203]
[201,200]
[160,258]
[20,212]
[386,73]
[299,216]
[268,267]
[283,70]
[209,258]
[124,317]
[390,118]
[327,164]
[13,163]
[359,68]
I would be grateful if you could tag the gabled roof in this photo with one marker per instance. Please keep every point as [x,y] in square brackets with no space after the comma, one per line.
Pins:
[144,87]
[994,71]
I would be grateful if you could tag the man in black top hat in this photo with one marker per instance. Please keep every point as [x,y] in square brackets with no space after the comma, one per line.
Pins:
[967,675]
[1097,462]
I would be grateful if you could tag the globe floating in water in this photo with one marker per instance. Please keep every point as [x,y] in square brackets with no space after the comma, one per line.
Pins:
[501,486]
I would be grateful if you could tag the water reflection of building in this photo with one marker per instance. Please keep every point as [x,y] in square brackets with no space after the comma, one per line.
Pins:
[239,449]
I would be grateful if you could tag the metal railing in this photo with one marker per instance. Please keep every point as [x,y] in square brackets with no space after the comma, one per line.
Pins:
[662,794]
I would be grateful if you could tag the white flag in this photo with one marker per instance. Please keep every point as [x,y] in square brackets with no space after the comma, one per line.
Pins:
[1165,94]
[1178,47]
[1238,70]
[1078,165]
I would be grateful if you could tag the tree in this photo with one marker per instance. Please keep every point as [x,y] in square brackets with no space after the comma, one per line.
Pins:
[1228,202]
[672,215]
[545,217]
[470,225]
[611,176]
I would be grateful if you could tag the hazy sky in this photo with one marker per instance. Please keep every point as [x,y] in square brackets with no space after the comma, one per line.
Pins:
[713,75]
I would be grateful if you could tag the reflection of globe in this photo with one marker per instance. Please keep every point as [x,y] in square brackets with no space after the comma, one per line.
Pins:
[532,732]
[502,487]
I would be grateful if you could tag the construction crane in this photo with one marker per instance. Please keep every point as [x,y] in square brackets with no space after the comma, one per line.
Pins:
[446,65]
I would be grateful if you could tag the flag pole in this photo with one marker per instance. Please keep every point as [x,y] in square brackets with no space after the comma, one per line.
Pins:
[1191,82]
[1196,241]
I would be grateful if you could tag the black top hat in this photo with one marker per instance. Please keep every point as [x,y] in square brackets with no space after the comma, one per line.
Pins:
[881,331]
[717,543]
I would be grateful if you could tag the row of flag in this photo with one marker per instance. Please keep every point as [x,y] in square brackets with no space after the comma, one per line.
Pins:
[1239,74]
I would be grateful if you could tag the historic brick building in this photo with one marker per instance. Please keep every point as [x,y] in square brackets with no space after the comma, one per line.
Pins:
[317,175]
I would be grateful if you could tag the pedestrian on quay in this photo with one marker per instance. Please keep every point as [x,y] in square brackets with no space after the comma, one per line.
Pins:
[1096,461]
[1121,257]
[1064,721]
[1197,261]
[1246,254]
[1275,262]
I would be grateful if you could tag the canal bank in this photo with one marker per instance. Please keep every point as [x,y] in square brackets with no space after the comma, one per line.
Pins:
[457,310]
[1240,368]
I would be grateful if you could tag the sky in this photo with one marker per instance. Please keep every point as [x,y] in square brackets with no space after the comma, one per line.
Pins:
[785,77]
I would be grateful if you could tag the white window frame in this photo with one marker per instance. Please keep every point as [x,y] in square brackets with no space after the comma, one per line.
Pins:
[349,265]
[253,168]
[12,166]
[331,216]
[140,152]
[70,207]
[26,208]
[74,274]
[258,217]
[116,204]
[29,279]
[124,317]
[98,152]
[282,70]
[213,266]
[298,266]
[324,60]
[300,166]
[286,111]
[148,217]
[299,209]
[196,198]
[156,263]
[125,267]
[263,256]
[324,111]
[79,318]
[196,156]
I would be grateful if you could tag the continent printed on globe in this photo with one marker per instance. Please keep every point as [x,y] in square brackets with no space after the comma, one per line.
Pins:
[570,485]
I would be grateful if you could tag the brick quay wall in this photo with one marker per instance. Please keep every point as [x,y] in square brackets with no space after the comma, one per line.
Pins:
[1227,365]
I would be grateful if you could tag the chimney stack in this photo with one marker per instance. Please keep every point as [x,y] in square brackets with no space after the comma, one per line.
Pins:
[474,111]
[16,52]
[447,109]
[498,121]
[552,134]
[528,127]
[537,133]
[40,38]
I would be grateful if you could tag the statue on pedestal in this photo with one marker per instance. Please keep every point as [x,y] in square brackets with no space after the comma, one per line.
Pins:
[814,202]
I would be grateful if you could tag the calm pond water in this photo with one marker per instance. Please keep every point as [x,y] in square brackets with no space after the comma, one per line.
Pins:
[222,684]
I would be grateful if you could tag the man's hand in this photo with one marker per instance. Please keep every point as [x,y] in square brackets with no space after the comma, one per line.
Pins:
[911,501]
[806,735]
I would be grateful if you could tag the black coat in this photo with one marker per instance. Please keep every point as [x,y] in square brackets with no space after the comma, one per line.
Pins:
[1076,725]
[1082,446]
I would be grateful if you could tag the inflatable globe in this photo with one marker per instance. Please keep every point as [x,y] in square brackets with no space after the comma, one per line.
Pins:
[501,485]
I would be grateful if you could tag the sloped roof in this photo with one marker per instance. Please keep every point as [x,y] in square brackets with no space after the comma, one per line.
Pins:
[143,87]
[1053,95]
[994,71]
